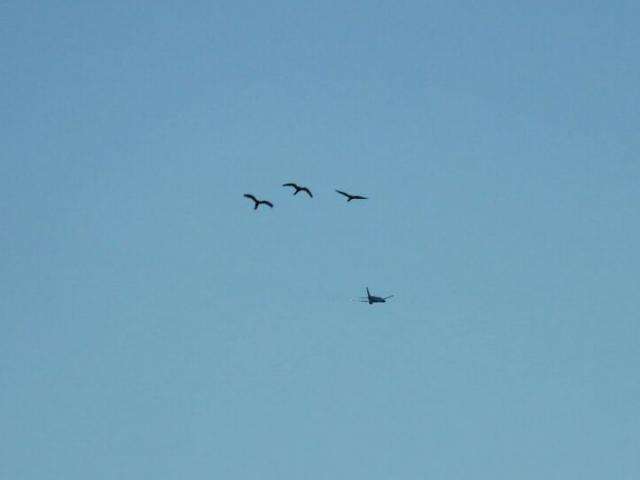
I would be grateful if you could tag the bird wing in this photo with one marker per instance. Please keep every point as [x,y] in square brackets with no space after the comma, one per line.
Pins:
[267,202]
[343,193]
[290,185]
[248,195]
[305,189]
[359,197]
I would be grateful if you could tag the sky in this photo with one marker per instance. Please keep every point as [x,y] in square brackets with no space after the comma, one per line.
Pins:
[154,326]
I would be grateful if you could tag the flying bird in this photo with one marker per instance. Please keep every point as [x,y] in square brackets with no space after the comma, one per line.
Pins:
[258,202]
[298,189]
[351,197]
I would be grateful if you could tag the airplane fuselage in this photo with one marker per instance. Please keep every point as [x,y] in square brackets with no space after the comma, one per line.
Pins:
[376,300]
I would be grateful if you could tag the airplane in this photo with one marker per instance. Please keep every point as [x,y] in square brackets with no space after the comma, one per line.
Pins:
[371,299]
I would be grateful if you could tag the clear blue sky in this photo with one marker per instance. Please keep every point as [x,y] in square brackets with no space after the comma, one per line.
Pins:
[155,326]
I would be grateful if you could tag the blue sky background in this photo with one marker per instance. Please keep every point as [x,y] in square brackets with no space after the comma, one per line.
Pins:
[154,326]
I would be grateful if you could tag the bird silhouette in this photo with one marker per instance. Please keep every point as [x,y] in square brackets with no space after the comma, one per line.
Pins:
[351,197]
[258,202]
[298,189]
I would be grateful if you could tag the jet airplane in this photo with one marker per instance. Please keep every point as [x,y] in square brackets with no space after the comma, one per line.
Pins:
[371,299]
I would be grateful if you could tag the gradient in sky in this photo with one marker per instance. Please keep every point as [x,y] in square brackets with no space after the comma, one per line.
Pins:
[155,326]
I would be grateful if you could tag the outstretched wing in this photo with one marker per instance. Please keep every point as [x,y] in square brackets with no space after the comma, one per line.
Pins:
[290,185]
[343,193]
[248,195]
[267,202]
[305,189]
[358,197]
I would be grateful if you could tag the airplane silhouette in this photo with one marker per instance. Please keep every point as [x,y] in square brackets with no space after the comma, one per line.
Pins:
[351,197]
[371,299]
[298,189]
[258,202]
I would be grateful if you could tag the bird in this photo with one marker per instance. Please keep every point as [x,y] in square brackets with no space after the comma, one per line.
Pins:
[298,189]
[258,202]
[351,197]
